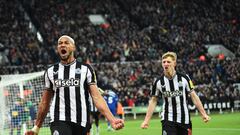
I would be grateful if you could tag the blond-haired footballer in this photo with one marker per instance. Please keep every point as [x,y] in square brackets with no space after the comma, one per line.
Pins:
[173,87]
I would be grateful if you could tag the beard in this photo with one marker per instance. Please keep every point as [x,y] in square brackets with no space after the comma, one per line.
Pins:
[64,57]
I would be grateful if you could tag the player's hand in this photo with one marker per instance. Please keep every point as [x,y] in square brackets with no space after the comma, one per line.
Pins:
[33,131]
[117,124]
[144,125]
[206,118]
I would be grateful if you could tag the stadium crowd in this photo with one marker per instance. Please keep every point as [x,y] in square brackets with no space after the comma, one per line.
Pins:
[125,51]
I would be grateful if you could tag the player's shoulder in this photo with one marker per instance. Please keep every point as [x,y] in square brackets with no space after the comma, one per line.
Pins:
[86,65]
[52,65]
[184,75]
[157,79]
[81,64]
[181,74]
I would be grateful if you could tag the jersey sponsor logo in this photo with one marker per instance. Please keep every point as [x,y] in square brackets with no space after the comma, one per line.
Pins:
[67,82]
[172,93]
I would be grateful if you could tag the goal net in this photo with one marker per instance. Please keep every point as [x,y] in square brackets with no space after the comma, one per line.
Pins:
[19,99]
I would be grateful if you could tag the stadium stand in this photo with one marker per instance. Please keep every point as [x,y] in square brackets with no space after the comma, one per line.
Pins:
[126,51]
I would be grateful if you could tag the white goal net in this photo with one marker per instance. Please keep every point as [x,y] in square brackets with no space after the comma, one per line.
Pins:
[19,99]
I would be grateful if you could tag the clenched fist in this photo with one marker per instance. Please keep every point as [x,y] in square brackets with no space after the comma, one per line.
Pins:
[206,118]
[33,131]
[144,125]
[117,124]
[30,133]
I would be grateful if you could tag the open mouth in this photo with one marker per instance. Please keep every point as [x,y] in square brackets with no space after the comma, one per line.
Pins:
[63,51]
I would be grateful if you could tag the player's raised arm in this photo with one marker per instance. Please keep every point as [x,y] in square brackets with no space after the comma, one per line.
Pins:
[103,108]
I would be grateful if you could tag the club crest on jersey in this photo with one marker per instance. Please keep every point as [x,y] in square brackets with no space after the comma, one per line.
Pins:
[78,71]
[67,82]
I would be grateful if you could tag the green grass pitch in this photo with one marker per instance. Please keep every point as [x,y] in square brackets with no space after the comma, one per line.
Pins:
[220,124]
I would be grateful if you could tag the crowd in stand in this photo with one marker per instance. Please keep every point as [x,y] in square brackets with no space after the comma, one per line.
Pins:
[125,52]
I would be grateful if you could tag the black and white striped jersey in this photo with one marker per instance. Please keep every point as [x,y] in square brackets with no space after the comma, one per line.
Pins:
[175,96]
[70,84]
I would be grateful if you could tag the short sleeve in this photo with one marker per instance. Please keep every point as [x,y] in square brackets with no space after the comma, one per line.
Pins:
[155,88]
[91,76]
[190,86]
[47,83]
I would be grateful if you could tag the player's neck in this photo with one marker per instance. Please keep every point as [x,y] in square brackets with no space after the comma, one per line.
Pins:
[170,74]
[68,61]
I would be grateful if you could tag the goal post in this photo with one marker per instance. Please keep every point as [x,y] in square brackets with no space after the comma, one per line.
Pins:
[19,97]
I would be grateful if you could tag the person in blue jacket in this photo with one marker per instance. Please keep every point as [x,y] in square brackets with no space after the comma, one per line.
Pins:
[111,99]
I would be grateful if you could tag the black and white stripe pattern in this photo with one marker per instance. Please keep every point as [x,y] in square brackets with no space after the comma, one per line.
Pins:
[175,94]
[70,84]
